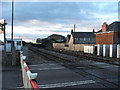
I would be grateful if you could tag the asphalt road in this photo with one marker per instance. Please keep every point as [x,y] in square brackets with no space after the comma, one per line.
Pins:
[85,74]
[52,75]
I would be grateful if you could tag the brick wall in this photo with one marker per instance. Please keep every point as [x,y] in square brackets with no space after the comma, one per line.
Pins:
[105,38]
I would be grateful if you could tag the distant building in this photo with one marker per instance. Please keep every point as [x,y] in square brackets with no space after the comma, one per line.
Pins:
[82,38]
[76,41]
[17,44]
[56,38]
[109,34]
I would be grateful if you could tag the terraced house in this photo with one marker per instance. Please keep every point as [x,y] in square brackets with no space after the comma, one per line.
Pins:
[77,40]
[109,34]
[82,38]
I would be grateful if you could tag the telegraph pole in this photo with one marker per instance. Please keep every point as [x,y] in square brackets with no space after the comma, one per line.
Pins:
[12,24]
[74,27]
[4,41]
[75,40]
[12,44]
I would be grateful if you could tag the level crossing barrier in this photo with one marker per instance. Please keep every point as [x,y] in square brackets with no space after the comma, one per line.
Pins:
[29,79]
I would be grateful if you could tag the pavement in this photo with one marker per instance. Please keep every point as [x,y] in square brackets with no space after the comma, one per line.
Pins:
[11,77]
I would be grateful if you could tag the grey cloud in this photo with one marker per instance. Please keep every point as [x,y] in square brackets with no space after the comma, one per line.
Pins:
[59,31]
[57,12]
[30,36]
[65,13]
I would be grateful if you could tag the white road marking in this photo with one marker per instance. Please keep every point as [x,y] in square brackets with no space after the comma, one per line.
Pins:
[48,68]
[66,84]
[21,87]
[43,64]
[98,63]
[80,67]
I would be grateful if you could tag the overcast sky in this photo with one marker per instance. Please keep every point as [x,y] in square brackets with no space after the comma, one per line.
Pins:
[39,19]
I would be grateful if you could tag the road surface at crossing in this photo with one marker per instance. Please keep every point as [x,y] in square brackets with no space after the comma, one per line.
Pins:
[85,74]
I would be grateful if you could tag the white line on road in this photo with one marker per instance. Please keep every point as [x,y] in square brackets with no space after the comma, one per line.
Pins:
[48,68]
[80,67]
[66,84]
[20,87]
[49,64]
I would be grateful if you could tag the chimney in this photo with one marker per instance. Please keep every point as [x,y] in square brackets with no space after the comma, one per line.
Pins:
[104,27]
[71,31]
[93,30]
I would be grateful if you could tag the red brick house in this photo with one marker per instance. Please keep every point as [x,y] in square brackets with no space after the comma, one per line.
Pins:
[109,34]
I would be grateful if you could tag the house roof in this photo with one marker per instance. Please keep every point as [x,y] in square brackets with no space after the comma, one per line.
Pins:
[83,34]
[68,36]
[115,26]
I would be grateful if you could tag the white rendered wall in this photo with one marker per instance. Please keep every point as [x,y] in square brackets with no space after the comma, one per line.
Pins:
[118,51]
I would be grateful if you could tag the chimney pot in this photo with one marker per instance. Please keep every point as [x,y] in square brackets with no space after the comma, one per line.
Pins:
[104,27]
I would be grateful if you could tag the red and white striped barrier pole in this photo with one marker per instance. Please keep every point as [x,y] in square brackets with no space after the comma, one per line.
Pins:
[31,76]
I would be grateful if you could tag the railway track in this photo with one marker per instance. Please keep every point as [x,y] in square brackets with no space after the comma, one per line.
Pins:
[58,58]
[113,61]
[52,56]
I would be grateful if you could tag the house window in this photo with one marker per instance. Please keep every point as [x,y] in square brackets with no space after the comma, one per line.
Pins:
[81,38]
[77,38]
[74,38]
[18,42]
[85,39]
